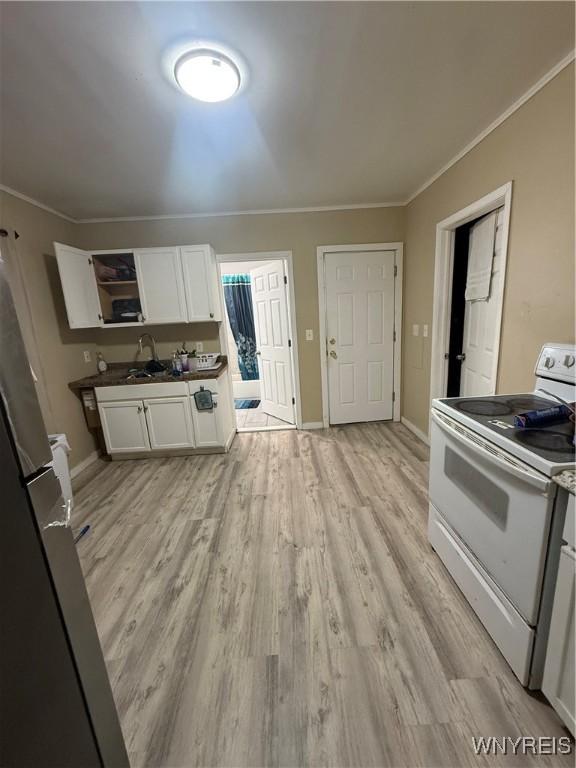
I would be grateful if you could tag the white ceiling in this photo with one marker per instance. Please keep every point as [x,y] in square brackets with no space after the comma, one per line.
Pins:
[347,102]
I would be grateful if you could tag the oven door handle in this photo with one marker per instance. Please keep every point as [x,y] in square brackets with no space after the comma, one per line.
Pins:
[474,443]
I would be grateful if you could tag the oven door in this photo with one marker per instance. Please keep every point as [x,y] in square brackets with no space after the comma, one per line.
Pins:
[499,507]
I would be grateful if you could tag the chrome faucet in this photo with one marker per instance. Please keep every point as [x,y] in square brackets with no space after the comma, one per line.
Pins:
[152,342]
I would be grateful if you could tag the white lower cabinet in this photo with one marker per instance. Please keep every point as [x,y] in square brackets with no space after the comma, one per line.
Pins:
[124,426]
[169,423]
[164,417]
[559,671]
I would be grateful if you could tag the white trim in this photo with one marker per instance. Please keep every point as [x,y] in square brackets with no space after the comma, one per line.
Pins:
[78,468]
[275,428]
[532,91]
[255,212]
[286,256]
[312,425]
[321,252]
[414,429]
[37,203]
[443,267]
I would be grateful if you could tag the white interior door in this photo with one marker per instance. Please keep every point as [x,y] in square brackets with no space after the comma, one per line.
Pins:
[270,302]
[360,335]
[481,321]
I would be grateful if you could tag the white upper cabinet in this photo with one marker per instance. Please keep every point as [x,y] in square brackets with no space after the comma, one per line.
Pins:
[201,283]
[79,286]
[159,273]
[146,286]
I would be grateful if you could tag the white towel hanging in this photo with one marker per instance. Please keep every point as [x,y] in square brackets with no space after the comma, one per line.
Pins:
[480,256]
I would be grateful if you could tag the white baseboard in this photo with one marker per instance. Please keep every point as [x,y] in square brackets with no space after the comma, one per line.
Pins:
[312,425]
[414,429]
[84,464]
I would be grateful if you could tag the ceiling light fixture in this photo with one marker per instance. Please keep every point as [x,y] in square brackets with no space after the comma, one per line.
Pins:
[207,74]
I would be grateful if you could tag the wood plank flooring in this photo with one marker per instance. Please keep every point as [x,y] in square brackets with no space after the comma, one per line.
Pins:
[280,606]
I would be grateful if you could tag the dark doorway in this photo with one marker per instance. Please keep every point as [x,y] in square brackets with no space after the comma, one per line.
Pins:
[458,307]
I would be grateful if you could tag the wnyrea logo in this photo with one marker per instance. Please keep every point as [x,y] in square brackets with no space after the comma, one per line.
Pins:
[523,745]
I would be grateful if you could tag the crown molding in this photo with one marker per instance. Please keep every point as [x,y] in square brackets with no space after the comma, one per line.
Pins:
[36,203]
[562,64]
[256,212]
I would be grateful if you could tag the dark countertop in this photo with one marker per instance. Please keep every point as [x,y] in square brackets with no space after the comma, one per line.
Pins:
[117,373]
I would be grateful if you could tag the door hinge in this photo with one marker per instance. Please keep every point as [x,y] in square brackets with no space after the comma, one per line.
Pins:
[293,401]
[289,342]
[394,335]
[393,397]
[395,271]
[285,280]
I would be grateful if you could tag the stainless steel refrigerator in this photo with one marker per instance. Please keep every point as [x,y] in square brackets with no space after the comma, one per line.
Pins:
[56,705]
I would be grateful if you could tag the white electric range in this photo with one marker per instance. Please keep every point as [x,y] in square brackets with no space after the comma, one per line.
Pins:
[493,519]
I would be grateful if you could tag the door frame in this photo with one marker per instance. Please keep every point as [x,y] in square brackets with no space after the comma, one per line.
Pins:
[286,256]
[321,252]
[443,269]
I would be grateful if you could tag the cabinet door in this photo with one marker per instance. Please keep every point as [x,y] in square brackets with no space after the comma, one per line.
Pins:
[159,273]
[169,422]
[559,671]
[207,424]
[124,426]
[201,282]
[79,286]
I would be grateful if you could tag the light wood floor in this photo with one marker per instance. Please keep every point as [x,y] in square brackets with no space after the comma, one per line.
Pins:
[280,606]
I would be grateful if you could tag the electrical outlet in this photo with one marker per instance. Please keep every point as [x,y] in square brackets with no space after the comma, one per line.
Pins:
[415,330]
[309,334]
[199,347]
[87,356]
[425,331]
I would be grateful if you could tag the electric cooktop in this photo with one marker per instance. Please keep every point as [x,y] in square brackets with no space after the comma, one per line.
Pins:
[554,443]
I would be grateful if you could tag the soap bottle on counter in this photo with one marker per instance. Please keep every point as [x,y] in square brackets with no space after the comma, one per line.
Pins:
[101,364]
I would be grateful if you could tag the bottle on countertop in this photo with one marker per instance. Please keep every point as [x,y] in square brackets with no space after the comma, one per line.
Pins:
[102,365]
[176,363]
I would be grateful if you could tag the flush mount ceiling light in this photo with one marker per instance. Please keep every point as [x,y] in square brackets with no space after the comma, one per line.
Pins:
[207,74]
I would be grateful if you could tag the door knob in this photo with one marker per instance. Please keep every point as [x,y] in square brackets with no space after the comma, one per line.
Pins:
[333,354]
[332,340]
[461,357]
[258,353]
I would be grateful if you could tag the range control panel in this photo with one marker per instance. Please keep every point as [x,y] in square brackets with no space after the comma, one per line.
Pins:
[557,361]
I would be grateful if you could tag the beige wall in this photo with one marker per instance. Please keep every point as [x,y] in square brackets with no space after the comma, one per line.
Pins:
[55,351]
[534,148]
[299,233]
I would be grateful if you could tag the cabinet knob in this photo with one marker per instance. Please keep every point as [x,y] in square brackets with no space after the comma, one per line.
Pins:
[139,409]
[211,314]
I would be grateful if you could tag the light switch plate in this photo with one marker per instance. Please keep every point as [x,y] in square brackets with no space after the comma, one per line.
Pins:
[309,334]
[415,330]
[87,356]
[425,331]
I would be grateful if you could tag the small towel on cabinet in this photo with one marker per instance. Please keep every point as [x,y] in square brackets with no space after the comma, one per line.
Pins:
[480,256]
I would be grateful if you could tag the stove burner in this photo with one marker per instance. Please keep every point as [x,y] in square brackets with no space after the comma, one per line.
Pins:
[559,442]
[521,404]
[484,407]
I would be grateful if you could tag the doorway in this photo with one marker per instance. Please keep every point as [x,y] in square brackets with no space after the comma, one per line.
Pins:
[257,335]
[469,276]
[475,308]
[360,300]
